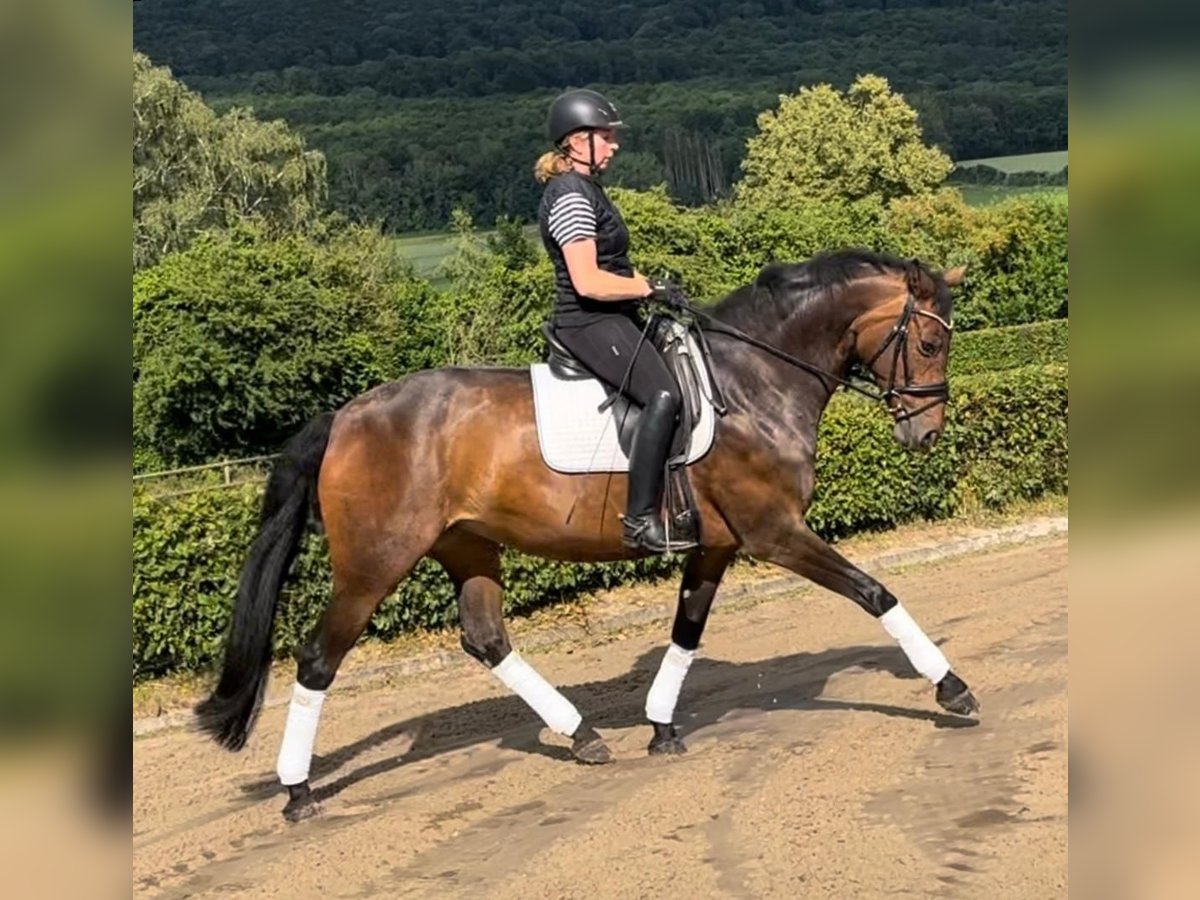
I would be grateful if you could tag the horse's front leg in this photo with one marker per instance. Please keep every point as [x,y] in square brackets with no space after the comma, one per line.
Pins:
[806,554]
[701,578]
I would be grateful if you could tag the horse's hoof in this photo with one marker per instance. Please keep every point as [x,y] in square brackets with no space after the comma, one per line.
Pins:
[300,805]
[593,753]
[666,741]
[589,748]
[964,704]
[670,747]
[298,812]
[954,696]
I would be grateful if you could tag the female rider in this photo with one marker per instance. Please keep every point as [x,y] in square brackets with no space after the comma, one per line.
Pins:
[598,293]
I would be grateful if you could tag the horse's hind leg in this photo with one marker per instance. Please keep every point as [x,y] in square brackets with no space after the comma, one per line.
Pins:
[360,584]
[806,554]
[473,563]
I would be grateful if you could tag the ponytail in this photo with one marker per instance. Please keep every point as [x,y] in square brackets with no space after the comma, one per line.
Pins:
[551,163]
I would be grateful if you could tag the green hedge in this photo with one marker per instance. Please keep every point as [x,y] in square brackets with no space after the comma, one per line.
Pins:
[188,551]
[1006,439]
[996,349]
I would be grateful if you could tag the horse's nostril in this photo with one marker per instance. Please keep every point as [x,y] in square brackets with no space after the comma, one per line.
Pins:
[931,438]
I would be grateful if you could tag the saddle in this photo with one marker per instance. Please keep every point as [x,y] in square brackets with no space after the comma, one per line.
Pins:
[578,414]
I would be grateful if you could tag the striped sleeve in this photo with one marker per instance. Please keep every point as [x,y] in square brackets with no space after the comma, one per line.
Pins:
[571,219]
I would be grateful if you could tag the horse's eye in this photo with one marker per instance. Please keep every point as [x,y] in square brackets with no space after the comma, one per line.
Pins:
[928,348]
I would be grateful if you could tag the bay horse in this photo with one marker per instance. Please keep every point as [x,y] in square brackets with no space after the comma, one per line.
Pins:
[445,463]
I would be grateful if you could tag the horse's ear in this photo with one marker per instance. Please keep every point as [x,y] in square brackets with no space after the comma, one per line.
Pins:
[919,283]
[954,277]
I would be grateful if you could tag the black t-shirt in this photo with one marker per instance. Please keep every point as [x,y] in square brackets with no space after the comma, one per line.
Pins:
[575,207]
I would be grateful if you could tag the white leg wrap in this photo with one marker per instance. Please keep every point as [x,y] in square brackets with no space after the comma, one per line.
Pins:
[299,734]
[664,693]
[920,650]
[556,710]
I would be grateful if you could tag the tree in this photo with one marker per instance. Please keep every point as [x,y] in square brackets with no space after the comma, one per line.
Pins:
[194,170]
[822,144]
[502,290]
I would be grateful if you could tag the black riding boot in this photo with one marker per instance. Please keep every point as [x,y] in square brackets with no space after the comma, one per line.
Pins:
[647,464]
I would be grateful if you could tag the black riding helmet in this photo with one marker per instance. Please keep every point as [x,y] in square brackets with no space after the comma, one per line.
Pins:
[580,109]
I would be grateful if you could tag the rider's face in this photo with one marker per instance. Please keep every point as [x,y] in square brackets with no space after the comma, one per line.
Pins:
[605,141]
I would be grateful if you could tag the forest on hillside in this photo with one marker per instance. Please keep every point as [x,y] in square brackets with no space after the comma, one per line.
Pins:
[421,108]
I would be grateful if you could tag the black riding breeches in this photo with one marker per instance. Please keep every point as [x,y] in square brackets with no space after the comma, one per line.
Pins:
[606,347]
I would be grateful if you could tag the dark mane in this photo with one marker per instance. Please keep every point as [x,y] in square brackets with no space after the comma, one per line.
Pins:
[781,287]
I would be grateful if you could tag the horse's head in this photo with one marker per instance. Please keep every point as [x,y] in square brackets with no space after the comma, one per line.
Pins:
[904,341]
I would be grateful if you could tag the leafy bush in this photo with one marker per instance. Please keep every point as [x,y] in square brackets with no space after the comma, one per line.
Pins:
[774,234]
[712,251]
[1015,251]
[1010,429]
[1021,273]
[691,245]
[502,290]
[240,339]
[1006,439]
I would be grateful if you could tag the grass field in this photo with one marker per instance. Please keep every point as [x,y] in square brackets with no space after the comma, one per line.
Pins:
[425,252]
[1026,162]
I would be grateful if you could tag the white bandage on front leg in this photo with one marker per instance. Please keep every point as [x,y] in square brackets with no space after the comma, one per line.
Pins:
[920,650]
[299,734]
[556,710]
[664,693]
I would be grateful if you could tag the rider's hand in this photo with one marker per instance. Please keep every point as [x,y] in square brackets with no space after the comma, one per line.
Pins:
[668,293]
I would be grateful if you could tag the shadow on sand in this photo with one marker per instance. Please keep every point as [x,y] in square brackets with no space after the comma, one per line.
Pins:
[714,688]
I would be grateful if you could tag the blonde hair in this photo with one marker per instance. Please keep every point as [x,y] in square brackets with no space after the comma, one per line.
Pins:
[551,163]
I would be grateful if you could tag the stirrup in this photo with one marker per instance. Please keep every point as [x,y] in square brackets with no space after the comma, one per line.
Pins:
[636,537]
[684,529]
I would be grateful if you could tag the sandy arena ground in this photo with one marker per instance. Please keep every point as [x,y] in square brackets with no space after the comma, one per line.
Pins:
[819,766]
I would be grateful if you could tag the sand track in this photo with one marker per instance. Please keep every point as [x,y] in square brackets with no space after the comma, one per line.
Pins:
[819,765]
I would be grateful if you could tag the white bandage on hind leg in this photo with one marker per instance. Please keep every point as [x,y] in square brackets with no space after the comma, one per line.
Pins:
[920,650]
[556,710]
[299,734]
[664,693]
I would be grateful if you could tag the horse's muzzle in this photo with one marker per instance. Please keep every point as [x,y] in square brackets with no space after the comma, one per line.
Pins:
[912,435]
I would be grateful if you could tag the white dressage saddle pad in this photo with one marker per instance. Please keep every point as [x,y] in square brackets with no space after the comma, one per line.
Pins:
[576,438]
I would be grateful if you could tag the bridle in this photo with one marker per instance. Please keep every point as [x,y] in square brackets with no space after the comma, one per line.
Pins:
[939,392]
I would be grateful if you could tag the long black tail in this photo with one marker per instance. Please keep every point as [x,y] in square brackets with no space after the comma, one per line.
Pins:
[230,712]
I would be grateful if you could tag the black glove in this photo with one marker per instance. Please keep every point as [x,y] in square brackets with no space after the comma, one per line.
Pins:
[668,293]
